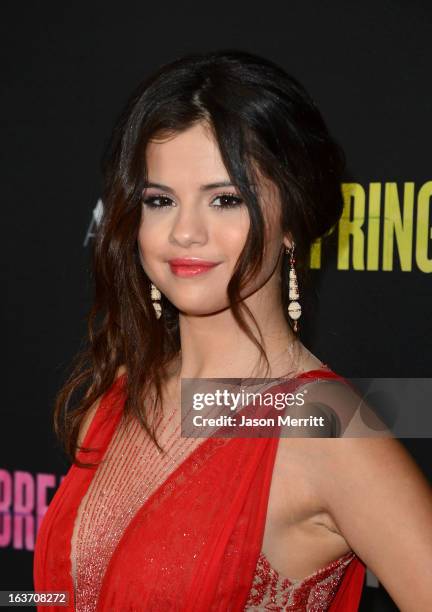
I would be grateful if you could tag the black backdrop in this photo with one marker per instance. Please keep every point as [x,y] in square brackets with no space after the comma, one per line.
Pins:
[67,71]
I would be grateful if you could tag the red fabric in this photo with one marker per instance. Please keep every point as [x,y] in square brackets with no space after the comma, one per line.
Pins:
[194,544]
[350,589]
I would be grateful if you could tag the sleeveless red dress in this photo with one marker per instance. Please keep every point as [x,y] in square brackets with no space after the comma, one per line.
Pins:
[145,532]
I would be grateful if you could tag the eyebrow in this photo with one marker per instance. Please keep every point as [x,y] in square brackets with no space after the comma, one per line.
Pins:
[207,187]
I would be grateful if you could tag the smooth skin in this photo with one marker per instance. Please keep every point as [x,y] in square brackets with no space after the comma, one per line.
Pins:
[328,496]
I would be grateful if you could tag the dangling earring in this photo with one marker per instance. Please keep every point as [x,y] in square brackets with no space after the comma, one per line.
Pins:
[294,308]
[156,296]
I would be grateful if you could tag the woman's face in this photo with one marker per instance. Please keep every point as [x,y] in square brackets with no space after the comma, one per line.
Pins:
[188,216]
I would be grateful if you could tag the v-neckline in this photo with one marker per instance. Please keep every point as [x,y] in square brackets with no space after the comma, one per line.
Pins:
[170,476]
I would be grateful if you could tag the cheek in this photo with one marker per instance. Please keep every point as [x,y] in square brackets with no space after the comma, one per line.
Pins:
[232,234]
[149,236]
[232,242]
[142,240]
[146,249]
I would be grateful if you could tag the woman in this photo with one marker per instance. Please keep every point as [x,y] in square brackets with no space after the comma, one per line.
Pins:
[220,175]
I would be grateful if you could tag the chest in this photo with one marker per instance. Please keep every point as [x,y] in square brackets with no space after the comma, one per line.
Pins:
[157,513]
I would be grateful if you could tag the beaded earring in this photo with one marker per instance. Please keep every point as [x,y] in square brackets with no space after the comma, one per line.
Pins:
[294,308]
[155,297]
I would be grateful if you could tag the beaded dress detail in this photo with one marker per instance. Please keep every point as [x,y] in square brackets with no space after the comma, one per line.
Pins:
[270,591]
[174,531]
[131,470]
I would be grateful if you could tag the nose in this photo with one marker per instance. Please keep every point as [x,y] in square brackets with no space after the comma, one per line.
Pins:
[188,227]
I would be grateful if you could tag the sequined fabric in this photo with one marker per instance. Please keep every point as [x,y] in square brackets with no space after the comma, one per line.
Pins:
[175,531]
[132,469]
[271,591]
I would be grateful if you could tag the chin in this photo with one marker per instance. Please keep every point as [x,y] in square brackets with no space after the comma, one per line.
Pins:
[199,309]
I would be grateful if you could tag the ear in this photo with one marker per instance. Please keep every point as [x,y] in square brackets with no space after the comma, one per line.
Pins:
[288,241]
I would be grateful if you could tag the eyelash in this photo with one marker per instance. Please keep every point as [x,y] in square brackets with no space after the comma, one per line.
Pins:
[237,201]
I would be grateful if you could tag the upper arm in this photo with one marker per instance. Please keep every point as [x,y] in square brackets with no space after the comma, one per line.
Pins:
[89,415]
[382,505]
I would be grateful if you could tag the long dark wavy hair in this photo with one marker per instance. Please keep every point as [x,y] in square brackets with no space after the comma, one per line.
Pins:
[261,117]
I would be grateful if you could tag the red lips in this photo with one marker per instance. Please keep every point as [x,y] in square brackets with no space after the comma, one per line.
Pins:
[190,266]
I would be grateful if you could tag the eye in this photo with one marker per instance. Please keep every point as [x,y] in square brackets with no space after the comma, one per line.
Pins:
[228,200]
[151,201]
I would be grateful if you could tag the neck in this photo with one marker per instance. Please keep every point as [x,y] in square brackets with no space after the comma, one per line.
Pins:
[214,346]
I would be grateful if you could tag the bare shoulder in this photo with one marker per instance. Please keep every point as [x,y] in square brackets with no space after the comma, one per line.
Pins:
[88,418]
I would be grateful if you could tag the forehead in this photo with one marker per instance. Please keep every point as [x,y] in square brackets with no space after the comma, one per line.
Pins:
[193,153]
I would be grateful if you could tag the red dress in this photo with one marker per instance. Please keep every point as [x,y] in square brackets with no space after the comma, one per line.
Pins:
[176,533]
